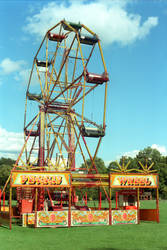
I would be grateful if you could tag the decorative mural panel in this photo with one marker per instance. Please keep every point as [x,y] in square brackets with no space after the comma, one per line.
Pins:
[84,218]
[124,217]
[28,219]
[133,180]
[52,219]
[37,179]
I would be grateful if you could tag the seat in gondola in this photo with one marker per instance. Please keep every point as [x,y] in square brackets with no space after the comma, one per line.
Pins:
[42,63]
[96,78]
[92,132]
[75,26]
[31,133]
[34,97]
[55,37]
[88,39]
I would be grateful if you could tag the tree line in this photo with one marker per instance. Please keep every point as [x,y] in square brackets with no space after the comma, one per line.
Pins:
[148,155]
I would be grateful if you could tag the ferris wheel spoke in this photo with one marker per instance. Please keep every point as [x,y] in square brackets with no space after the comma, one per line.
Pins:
[62,66]
[68,87]
[54,141]
[57,142]
[31,150]
[39,78]
[83,96]
[31,122]
[78,141]
[87,120]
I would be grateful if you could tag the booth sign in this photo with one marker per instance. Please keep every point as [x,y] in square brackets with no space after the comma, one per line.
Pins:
[133,181]
[37,179]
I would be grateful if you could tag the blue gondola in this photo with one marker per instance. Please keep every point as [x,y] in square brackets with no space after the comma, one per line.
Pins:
[42,63]
[92,132]
[89,40]
[33,97]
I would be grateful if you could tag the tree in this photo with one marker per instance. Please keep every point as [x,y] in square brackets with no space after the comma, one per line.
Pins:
[150,154]
[101,169]
[100,166]
[6,165]
[132,163]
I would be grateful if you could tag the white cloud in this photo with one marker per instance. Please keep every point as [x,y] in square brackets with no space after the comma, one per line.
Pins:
[10,143]
[9,66]
[132,153]
[109,19]
[161,149]
[23,76]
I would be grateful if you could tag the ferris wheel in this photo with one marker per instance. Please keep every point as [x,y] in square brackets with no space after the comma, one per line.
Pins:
[66,100]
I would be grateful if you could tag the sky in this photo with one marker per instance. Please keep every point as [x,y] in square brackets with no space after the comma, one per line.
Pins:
[134,42]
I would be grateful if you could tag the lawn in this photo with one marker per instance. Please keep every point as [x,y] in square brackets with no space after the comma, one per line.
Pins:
[146,235]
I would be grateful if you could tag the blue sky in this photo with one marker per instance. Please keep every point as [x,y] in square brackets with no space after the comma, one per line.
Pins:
[133,36]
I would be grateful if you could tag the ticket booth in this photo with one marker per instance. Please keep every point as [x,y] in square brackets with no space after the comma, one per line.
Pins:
[126,199]
[129,187]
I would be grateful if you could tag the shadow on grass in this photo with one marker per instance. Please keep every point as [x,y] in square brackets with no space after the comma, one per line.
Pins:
[108,248]
[104,248]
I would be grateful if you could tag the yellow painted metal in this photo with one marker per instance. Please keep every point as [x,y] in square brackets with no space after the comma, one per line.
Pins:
[91,176]
[53,70]
[10,206]
[57,143]
[46,69]
[145,168]
[123,168]
[78,136]
[69,207]
[97,148]
[83,63]
[110,205]
[105,103]
[81,184]
[102,57]
[85,94]
[61,68]
[6,184]
[18,159]
[69,26]
[54,27]
[36,200]
[42,91]
[105,98]
[42,136]
[86,147]
[89,30]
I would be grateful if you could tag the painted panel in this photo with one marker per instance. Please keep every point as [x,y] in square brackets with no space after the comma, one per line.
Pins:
[28,219]
[84,218]
[37,179]
[124,217]
[52,219]
[133,180]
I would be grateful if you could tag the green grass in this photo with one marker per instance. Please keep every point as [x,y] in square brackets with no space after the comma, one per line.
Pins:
[146,235]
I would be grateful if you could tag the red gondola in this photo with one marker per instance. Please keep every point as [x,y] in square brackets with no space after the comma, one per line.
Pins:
[96,78]
[55,37]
